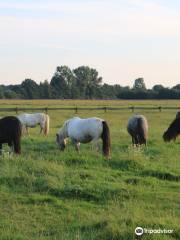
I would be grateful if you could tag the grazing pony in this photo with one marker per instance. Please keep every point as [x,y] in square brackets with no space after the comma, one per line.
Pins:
[84,131]
[10,133]
[31,120]
[173,131]
[138,129]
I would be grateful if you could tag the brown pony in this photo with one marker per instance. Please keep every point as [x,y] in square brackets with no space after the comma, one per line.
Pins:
[138,129]
[173,131]
[10,133]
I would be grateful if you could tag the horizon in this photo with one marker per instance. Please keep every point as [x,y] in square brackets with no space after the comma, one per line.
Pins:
[123,40]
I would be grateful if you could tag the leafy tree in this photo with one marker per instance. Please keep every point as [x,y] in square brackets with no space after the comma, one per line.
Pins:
[157,87]
[61,82]
[9,94]
[108,91]
[177,87]
[30,89]
[87,80]
[1,92]
[139,84]
[45,90]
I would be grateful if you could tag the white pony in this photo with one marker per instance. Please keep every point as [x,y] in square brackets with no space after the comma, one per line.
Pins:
[31,120]
[84,131]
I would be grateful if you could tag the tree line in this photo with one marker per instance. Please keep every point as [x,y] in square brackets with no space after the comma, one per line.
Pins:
[84,83]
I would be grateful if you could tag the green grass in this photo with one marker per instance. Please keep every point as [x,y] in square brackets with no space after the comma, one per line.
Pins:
[47,194]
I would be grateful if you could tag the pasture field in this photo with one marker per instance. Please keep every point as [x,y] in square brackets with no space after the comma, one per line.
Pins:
[47,194]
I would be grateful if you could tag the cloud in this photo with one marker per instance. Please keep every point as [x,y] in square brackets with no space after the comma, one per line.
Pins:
[131,18]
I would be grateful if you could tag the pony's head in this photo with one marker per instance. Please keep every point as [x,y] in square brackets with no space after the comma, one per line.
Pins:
[169,135]
[166,137]
[61,139]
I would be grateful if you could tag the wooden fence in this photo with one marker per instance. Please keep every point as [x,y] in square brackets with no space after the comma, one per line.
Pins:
[78,109]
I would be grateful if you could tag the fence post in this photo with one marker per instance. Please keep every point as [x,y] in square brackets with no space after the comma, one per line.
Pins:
[105,109]
[160,109]
[16,110]
[76,109]
[132,108]
[46,110]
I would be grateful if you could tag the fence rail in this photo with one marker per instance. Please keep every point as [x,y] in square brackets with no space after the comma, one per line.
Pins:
[77,109]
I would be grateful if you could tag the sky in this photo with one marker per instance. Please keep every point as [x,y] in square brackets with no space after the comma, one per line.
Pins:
[122,39]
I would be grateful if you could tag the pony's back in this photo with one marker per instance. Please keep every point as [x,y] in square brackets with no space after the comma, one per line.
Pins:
[8,123]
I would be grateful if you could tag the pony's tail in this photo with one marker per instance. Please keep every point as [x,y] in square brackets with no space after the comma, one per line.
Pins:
[46,127]
[17,140]
[17,146]
[142,129]
[106,139]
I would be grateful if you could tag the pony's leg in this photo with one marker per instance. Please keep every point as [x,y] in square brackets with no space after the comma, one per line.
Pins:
[95,145]
[42,126]
[136,139]
[77,146]
[27,130]
[23,130]
[11,147]
[41,129]
[133,141]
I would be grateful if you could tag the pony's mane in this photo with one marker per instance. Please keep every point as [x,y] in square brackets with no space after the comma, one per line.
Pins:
[175,125]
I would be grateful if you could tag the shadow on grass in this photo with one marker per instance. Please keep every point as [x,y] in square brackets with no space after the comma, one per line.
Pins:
[103,196]
[15,183]
[75,162]
[125,165]
[133,181]
[161,175]
[91,192]
[95,226]
[12,237]
[105,232]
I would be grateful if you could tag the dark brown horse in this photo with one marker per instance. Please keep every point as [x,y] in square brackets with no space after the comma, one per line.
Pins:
[138,129]
[10,133]
[173,131]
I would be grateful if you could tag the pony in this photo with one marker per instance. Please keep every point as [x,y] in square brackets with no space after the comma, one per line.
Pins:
[10,133]
[84,131]
[173,131]
[31,120]
[137,127]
